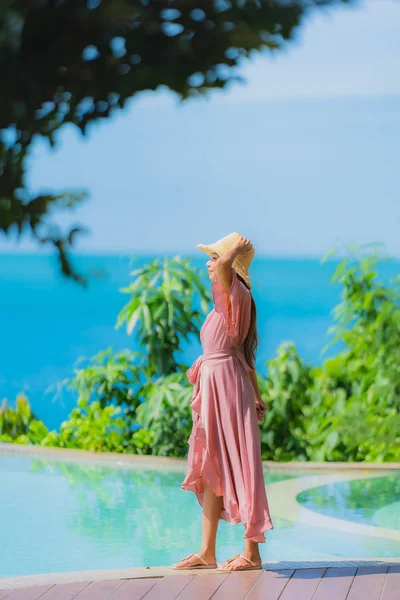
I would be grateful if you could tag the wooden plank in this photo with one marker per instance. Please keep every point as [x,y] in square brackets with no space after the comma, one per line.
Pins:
[99,590]
[29,593]
[168,587]
[134,589]
[391,587]
[336,583]
[302,584]
[270,585]
[237,585]
[202,587]
[64,591]
[368,583]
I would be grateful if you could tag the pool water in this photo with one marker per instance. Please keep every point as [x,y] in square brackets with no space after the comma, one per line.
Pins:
[373,501]
[74,516]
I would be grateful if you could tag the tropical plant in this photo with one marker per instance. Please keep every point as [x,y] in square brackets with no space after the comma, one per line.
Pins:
[108,378]
[367,423]
[90,426]
[100,429]
[167,414]
[285,390]
[161,307]
[19,424]
[349,407]
[122,405]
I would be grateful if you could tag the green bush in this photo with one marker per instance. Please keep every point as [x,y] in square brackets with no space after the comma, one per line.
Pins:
[285,391]
[166,412]
[347,409]
[20,425]
[109,379]
[161,308]
[89,427]
[92,427]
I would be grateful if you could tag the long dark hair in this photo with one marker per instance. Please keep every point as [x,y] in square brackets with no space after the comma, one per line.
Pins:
[250,344]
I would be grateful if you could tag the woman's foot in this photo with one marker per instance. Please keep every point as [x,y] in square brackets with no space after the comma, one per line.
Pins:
[239,563]
[193,560]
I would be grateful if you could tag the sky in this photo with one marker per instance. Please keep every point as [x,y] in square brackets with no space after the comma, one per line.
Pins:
[301,159]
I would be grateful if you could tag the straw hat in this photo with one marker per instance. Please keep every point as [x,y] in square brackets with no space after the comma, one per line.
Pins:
[241,263]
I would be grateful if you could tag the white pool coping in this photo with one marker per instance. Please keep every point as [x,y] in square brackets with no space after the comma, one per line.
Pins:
[145,461]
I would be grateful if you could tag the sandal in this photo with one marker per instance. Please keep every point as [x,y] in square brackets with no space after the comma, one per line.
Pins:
[253,567]
[206,565]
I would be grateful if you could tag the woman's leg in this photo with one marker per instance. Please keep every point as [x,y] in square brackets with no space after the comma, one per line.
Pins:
[251,551]
[212,506]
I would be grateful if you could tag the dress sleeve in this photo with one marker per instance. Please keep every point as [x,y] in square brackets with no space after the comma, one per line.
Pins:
[237,316]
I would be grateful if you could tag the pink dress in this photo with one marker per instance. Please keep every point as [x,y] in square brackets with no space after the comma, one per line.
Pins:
[224,446]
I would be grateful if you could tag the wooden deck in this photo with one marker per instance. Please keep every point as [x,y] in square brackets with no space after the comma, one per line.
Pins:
[332,583]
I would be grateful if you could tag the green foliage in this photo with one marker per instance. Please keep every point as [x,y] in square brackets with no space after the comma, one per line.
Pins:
[161,308]
[368,323]
[77,63]
[20,425]
[109,379]
[143,441]
[347,409]
[89,427]
[15,422]
[284,391]
[166,412]
[123,405]
[97,428]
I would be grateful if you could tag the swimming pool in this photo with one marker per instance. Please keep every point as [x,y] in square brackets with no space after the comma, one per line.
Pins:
[74,515]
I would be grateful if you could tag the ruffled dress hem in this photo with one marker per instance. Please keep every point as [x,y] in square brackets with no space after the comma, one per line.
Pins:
[254,531]
[207,472]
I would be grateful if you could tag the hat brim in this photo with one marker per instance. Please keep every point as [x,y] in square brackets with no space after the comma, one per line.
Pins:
[209,249]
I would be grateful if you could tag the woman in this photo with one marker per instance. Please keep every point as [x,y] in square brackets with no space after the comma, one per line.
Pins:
[224,466]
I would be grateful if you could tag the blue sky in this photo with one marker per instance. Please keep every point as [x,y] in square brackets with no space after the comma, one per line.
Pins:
[303,158]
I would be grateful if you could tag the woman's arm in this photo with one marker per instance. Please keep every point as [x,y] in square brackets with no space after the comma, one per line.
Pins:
[224,263]
[223,268]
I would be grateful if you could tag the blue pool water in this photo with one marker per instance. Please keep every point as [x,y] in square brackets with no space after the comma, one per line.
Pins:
[366,501]
[47,322]
[71,516]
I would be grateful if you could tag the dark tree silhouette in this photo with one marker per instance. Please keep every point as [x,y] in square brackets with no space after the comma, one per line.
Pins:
[76,61]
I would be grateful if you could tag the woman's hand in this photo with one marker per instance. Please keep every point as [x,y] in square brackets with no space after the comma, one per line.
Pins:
[261,409]
[242,245]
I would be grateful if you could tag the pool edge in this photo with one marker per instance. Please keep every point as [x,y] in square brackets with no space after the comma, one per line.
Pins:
[138,460]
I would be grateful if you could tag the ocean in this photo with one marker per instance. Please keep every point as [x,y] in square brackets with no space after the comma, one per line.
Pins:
[48,322]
